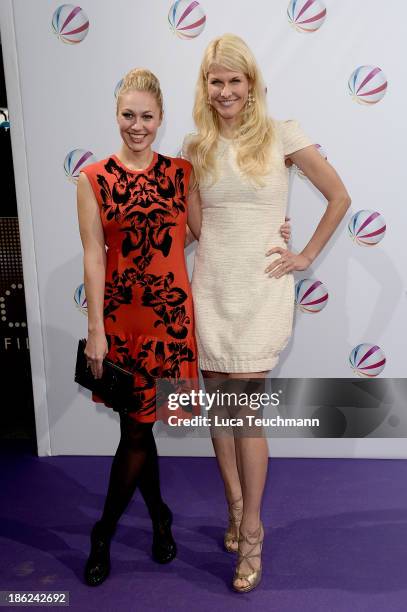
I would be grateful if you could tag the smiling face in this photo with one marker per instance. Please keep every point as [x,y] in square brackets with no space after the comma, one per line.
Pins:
[138,117]
[227,92]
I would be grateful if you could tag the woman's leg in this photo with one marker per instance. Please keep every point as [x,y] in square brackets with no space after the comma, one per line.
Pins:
[164,548]
[149,480]
[126,467]
[134,463]
[252,461]
[128,462]
[224,446]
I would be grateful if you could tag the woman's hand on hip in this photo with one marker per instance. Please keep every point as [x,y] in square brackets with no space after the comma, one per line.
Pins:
[95,351]
[288,262]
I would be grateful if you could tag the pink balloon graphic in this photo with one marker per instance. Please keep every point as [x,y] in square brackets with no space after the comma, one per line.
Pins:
[367,360]
[367,85]
[70,23]
[367,227]
[310,295]
[75,161]
[80,299]
[187,19]
[306,15]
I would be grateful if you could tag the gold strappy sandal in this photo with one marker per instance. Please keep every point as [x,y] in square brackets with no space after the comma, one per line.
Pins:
[254,577]
[231,538]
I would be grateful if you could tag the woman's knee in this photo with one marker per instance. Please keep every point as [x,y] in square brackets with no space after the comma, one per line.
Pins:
[135,433]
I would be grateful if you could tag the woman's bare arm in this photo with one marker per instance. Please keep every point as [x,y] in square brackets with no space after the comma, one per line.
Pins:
[194,213]
[94,260]
[328,182]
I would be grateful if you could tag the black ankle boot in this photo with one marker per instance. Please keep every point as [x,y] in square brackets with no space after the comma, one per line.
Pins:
[97,566]
[164,548]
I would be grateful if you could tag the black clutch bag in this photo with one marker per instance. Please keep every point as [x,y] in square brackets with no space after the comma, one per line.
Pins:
[115,387]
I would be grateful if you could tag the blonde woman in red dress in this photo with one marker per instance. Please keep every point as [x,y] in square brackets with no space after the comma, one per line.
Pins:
[133,214]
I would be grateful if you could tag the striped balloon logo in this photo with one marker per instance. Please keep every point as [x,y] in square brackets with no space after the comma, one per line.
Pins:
[367,227]
[117,88]
[306,15]
[75,161]
[187,19]
[367,84]
[80,299]
[321,151]
[367,360]
[70,23]
[310,295]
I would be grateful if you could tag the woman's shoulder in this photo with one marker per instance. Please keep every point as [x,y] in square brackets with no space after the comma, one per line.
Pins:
[291,134]
[285,126]
[188,139]
[95,167]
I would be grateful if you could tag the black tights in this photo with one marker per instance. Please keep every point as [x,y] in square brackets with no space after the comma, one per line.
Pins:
[135,464]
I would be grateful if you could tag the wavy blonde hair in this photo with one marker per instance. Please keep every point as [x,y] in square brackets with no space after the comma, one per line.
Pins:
[255,132]
[141,79]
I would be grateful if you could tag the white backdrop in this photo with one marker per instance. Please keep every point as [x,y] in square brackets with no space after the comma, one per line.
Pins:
[61,98]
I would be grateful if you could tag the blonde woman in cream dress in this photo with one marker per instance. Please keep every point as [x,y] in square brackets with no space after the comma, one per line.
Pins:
[243,286]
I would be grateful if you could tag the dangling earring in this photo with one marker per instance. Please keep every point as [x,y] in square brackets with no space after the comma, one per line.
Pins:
[250,99]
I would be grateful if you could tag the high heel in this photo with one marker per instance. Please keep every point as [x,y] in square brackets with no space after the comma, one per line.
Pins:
[231,537]
[252,578]
[164,548]
[97,566]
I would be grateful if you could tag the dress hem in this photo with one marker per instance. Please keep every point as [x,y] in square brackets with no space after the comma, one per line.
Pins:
[140,418]
[232,366]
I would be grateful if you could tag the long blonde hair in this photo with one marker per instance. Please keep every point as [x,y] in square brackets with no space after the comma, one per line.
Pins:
[255,133]
[141,79]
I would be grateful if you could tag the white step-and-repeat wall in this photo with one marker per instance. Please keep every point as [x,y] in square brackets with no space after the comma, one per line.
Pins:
[336,67]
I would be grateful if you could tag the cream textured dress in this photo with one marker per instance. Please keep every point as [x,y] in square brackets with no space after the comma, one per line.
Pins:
[243,317]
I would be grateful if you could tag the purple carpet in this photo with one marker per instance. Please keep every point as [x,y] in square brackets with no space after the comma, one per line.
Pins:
[336,536]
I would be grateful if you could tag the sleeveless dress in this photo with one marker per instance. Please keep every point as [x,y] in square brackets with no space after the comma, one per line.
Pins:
[243,317]
[148,310]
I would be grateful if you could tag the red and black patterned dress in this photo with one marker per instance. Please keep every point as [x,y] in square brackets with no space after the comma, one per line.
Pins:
[148,309]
